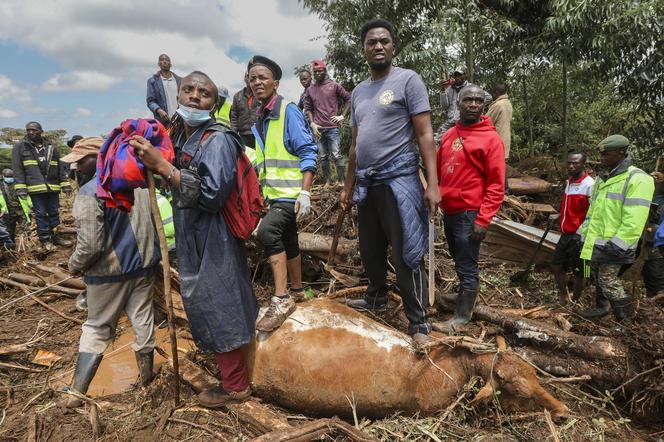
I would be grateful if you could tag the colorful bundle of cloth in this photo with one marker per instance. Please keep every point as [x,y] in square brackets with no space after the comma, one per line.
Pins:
[119,169]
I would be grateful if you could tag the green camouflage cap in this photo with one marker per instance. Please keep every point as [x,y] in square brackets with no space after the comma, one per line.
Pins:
[613,142]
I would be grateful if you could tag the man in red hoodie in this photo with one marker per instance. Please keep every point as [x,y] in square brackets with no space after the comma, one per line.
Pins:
[471,167]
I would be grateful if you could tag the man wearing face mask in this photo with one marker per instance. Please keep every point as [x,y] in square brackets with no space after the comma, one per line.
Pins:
[214,276]
[286,162]
[38,173]
[15,209]
[117,252]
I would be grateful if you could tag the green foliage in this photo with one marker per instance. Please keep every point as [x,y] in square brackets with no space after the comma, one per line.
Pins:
[612,49]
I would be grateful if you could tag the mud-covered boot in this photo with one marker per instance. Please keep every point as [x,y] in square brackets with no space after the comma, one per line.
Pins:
[463,310]
[623,308]
[325,167]
[60,241]
[86,367]
[602,307]
[280,308]
[216,397]
[145,362]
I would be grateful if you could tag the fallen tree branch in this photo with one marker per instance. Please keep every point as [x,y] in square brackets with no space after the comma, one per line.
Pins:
[317,428]
[19,367]
[635,377]
[591,347]
[32,296]
[74,283]
[200,427]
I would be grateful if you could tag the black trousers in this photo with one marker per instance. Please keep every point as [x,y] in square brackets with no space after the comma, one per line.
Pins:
[380,226]
[464,251]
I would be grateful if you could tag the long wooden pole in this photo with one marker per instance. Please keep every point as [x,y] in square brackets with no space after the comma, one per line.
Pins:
[166,267]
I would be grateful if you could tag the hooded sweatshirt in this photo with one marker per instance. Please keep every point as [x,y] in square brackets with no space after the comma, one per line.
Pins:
[471,170]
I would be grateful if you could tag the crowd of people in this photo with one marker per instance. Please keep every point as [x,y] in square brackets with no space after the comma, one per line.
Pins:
[395,174]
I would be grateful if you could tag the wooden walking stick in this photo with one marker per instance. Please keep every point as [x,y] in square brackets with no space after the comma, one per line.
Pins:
[166,267]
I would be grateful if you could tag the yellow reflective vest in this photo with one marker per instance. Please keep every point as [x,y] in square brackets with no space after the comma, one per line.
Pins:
[278,170]
[619,207]
[223,115]
[166,214]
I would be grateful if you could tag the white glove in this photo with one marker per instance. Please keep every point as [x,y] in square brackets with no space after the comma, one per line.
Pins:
[303,204]
[337,119]
[315,129]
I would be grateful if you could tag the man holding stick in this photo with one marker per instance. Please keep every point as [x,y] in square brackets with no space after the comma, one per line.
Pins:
[117,252]
[214,276]
[389,111]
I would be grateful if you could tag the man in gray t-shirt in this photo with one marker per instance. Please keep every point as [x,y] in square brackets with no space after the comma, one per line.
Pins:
[389,112]
[381,110]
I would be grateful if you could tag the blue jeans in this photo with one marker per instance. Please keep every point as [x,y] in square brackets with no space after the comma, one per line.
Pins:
[47,213]
[328,148]
[464,250]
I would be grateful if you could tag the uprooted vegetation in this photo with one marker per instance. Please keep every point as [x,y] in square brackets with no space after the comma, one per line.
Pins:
[608,375]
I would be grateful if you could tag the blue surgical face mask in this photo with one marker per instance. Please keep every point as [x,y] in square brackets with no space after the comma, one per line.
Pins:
[8,179]
[193,117]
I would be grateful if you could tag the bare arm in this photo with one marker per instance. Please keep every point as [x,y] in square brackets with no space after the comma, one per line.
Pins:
[424,136]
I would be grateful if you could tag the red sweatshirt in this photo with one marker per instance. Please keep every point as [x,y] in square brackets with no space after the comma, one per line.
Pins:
[471,170]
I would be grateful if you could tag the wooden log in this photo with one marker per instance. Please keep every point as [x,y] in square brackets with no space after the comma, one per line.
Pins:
[74,283]
[559,364]
[27,279]
[591,347]
[315,429]
[310,242]
[528,185]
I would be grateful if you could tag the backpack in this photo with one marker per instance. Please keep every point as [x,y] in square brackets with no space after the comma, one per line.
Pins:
[242,210]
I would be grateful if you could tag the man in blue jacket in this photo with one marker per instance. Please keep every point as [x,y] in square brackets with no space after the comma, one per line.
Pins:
[162,94]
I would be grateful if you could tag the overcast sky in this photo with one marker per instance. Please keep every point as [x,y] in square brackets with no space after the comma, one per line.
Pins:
[82,65]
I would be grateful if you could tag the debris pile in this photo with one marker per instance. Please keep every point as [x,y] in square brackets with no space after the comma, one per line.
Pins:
[608,375]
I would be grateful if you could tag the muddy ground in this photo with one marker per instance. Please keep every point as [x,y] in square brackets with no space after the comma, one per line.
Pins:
[29,392]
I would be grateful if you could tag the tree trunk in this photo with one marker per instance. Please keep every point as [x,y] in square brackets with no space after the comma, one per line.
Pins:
[529,116]
[564,125]
[469,46]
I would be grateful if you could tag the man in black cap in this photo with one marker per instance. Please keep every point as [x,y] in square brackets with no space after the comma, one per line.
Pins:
[619,207]
[286,161]
[449,98]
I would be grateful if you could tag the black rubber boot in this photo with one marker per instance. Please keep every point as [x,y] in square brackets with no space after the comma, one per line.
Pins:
[341,173]
[623,308]
[602,307]
[145,362]
[86,367]
[325,167]
[463,310]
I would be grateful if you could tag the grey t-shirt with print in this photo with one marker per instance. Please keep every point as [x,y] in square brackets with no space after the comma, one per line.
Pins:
[382,110]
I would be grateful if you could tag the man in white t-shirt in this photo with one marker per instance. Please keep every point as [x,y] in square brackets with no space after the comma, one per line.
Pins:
[162,93]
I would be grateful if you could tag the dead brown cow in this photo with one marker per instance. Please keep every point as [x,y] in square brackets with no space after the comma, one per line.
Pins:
[326,354]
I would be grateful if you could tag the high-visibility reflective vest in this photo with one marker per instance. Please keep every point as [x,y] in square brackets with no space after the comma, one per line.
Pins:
[223,115]
[25,202]
[278,170]
[166,213]
[618,212]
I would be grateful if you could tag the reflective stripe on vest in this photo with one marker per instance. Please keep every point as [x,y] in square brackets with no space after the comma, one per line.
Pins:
[166,214]
[278,170]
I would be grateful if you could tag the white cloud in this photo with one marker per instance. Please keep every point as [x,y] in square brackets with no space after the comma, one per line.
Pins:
[82,112]
[11,91]
[105,43]
[89,81]
[7,113]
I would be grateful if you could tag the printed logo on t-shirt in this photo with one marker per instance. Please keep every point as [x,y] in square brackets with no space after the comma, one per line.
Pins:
[457,145]
[386,97]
